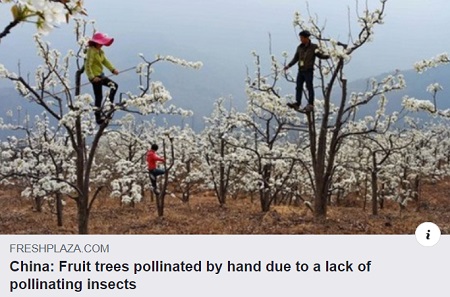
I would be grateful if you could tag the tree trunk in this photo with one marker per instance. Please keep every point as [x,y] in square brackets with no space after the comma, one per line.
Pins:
[38,204]
[321,199]
[59,209]
[222,187]
[265,195]
[160,204]
[83,215]
[374,178]
[161,196]
[417,193]
[187,193]
[381,195]
[185,196]
[374,192]
[365,193]
[82,179]
[322,154]
[142,191]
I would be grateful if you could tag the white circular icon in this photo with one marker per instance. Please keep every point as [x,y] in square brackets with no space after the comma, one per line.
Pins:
[428,234]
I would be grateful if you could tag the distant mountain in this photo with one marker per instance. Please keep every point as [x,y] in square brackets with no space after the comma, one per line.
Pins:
[10,100]
[416,86]
[194,90]
[197,91]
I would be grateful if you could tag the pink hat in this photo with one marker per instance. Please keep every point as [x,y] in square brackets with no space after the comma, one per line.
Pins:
[102,39]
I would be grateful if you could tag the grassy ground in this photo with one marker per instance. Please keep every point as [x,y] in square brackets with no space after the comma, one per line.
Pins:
[202,215]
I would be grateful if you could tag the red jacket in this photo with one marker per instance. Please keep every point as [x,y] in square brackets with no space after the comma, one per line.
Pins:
[152,158]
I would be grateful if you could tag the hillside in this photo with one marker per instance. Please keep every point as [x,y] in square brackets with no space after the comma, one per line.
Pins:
[241,216]
[197,91]
[416,85]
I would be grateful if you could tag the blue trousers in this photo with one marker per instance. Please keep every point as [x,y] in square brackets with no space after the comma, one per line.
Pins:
[98,92]
[153,174]
[305,76]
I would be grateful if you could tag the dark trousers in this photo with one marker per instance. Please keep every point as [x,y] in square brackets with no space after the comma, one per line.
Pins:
[303,77]
[153,174]
[98,90]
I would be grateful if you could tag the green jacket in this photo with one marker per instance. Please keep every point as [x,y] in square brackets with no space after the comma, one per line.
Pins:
[306,55]
[95,60]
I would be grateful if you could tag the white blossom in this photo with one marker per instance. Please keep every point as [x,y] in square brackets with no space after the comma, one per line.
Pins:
[424,65]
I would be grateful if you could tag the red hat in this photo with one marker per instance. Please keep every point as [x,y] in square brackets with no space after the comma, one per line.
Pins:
[102,39]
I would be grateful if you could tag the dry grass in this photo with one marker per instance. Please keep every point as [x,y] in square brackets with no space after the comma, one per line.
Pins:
[204,216]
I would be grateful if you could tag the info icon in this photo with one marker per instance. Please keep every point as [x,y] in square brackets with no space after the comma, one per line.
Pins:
[428,234]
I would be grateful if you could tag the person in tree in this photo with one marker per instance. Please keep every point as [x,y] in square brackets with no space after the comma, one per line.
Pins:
[95,60]
[153,170]
[305,57]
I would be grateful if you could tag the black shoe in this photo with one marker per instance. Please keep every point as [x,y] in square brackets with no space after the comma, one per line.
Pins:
[308,108]
[99,118]
[295,105]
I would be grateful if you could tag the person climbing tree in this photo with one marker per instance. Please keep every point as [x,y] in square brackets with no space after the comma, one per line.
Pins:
[95,60]
[153,170]
[305,56]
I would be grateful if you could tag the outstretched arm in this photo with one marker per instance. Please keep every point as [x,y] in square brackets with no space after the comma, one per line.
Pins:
[158,158]
[293,61]
[322,56]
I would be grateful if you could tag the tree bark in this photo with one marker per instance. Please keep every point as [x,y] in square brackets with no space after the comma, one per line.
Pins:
[222,187]
[265,195]
[59,209]
[83,216]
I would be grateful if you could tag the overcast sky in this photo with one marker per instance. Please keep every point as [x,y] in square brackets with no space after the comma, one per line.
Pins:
[225,31]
